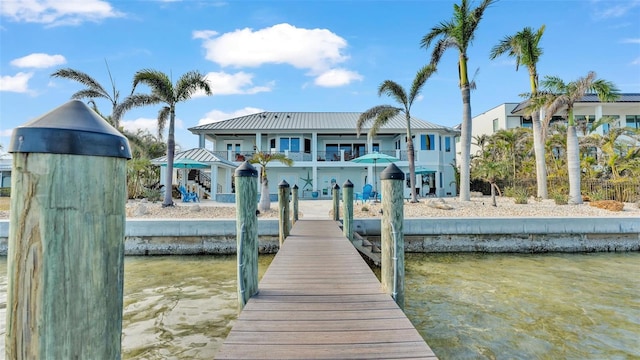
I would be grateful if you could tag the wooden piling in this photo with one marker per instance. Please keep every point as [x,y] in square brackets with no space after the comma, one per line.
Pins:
[347,209]
[294,202]
[335,194]
[66,239]
[392,233]
[246,183]
[283,211]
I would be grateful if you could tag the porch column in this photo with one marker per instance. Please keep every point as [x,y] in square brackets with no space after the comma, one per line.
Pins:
[258,141]
[227,181]
[315,177]
[201,141]
[214,182]
[314,152]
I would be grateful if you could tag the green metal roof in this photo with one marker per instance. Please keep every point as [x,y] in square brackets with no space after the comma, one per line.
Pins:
[309,121]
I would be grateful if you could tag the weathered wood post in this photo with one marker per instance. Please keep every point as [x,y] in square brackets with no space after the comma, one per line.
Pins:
[335,194]
[66,237]
[347,209]
[294,193]
[246,183]
[283,211]
[392,233]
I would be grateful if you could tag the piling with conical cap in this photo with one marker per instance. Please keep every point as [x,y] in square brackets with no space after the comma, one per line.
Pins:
[246,183]
[392,233]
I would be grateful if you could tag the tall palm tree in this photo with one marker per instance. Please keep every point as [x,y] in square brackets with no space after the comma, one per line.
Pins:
[93,90]
[382,113]
[263,159]
[165,92]
[458,33]
[559,96]
[524,46]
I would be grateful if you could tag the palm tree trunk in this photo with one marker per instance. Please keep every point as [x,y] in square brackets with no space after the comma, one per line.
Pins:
[265,200]
[171,148]
[412,168]
[539,151]
[573,166]
[493,195]
[465,145]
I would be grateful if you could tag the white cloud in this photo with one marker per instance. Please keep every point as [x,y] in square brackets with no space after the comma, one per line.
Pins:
[317,50]
[217,115]
[337,77]
[39,60]
[56,12]
[616,10]
[6,133]
[222,83]
[18,83]
[631,41]
[636,61]
[147,124]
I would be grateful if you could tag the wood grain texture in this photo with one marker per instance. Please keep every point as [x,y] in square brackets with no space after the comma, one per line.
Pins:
[347,212]
[392,213]
[246,207]
[319,300]
[66,256]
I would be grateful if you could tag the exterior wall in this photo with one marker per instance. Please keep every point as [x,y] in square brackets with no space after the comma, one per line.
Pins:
[483,124]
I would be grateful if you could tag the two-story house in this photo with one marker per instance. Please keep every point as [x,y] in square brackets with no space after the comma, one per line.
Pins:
[625,111]
[323,146]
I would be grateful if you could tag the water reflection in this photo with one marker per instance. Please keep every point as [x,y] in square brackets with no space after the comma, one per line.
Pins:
[468,306]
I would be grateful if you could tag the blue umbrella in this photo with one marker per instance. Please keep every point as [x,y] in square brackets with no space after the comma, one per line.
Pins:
[186,163]
[374,158]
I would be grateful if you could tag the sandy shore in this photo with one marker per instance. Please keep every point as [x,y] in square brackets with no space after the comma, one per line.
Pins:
[477,207]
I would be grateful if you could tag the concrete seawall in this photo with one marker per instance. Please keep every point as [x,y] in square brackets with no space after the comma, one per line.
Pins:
[161,237]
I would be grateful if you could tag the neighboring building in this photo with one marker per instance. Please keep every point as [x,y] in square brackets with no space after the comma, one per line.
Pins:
[6,164]
[626,111]
[322,145]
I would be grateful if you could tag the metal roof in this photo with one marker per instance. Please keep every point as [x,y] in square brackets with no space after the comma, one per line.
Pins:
[593,98]
[327,121]
[197,154]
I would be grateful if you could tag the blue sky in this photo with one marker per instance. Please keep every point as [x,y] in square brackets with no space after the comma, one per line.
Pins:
[295,55]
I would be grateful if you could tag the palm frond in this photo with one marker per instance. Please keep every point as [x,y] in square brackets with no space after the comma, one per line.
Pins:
[82,78]
[163,115]
[372,114]
[418,82]
[394,91]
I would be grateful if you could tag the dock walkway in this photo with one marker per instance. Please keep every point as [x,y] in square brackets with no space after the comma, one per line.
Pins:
[319,300]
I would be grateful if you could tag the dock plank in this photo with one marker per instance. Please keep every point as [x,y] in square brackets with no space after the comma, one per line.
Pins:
[320,300]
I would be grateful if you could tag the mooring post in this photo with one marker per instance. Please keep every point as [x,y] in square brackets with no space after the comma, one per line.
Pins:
[347,209]
[335,194]
[294,202]
[246,182]
[283,211]
[66,237]
[392,233]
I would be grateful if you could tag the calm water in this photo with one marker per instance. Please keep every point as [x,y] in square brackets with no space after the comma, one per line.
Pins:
[468,306]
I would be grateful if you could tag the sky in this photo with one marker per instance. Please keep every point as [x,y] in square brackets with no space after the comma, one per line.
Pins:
[297,55]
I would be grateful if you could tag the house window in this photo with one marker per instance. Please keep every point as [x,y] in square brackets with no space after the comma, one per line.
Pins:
[397,144]
[633,121]
[526,122]
[495,125]
[291,144]
[447,144]
[307,146]
[272,144]
[427,142]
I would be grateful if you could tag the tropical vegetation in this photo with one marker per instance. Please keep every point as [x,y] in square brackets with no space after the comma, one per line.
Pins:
[263,159]
[458,33]
[163,91]
[381,114]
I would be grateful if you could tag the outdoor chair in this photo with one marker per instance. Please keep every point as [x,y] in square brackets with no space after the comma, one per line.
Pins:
[188,196]
[365,195]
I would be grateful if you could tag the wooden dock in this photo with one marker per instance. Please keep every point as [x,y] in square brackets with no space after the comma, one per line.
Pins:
[319,300]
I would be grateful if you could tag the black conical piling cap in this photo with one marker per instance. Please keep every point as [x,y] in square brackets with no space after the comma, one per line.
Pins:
[283,184]
[72,128]
[392,172]
[347,184]
[246,170]
[295,186]
[336,186]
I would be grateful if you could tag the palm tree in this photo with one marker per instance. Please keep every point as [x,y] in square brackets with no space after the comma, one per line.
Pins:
[382,113]
[163,91]
[93,90]
[459,33]
[491,171]
[524,46]
[558,96]
[263,159]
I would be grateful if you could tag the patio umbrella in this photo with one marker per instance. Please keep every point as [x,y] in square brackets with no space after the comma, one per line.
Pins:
[186,163]
[374,158]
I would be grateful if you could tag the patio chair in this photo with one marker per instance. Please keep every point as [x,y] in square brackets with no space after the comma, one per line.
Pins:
[188,196]
[365,195]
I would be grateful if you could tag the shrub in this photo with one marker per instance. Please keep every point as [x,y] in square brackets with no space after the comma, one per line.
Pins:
[598,195]
[5,192]
[560,199]
[519,194]
[153,195]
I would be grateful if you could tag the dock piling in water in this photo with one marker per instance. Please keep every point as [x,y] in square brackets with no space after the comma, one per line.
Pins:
[347,209]
[246,182]
[66,240]
[335,194]
[392,233]
[283,211]
[294,203]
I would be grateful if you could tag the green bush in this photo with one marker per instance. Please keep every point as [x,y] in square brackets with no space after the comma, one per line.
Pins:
[598,195]
[153,195]
[560,199]
[5,192]
[519,194]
